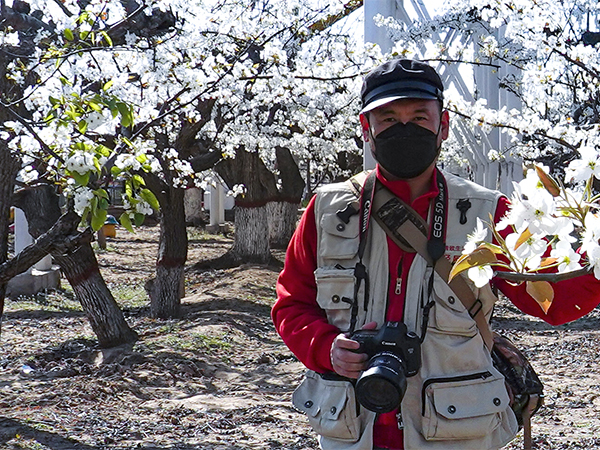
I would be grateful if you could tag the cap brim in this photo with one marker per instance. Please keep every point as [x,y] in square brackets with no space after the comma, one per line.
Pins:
[388,99]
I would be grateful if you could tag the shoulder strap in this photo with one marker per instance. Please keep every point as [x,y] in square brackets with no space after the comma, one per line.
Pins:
[398,221]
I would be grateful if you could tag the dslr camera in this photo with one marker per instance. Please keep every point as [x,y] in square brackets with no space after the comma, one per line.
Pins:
[394,354]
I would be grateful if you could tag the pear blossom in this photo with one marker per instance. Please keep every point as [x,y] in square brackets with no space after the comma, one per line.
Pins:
[474,239]
[480,275]
[569,259]
[81,199]
[81,163]
[143,207]
[594,260]
[128,162]
[591,234]
[530,252]
[583,168]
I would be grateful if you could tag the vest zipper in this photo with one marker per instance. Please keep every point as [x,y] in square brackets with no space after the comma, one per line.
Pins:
[427,383]
[398,288]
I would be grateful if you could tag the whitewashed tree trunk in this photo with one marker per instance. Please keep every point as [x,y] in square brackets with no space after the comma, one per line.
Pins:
[251,241]
[283,218]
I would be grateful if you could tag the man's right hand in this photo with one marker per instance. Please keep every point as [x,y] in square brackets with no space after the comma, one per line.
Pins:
[344,360]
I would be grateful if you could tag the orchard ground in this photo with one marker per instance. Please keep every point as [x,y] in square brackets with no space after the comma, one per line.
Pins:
[219,378]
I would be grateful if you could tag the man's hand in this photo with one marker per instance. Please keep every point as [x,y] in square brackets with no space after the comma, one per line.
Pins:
[344,360]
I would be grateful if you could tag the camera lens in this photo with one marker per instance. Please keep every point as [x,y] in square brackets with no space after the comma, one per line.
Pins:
[382,385]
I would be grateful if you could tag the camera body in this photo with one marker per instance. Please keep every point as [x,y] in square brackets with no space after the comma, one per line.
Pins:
[394,354]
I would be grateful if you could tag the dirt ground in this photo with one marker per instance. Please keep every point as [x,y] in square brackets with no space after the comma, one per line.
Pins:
[219,378]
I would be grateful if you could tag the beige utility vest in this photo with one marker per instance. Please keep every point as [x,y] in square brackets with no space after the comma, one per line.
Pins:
[458,400]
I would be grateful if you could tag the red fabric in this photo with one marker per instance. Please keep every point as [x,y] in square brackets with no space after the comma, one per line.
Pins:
[303,325]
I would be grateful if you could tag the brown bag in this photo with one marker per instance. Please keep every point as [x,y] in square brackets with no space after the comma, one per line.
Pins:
[525,388]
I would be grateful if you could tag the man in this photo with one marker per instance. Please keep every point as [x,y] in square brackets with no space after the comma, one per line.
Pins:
[344,273]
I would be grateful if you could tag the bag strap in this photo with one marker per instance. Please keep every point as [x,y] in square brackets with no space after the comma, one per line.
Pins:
[403,225]
[398,224]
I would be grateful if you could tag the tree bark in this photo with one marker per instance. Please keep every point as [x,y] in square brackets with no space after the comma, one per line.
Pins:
[62,237]
[167,289]
[251,239]
[283,219]
[251,243]
[80,267]
[9,166]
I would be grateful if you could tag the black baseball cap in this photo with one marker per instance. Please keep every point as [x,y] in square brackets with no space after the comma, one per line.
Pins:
[400,78]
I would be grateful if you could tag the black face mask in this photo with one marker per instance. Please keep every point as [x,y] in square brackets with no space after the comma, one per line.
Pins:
[406,150]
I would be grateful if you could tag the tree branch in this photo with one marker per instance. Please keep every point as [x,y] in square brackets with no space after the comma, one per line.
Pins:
[62,237]
[551,277]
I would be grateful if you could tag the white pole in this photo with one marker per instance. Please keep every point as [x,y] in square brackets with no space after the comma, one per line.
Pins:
[23,239]
[217,204]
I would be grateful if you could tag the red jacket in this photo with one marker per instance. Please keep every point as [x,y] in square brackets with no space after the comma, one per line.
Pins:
[303,325]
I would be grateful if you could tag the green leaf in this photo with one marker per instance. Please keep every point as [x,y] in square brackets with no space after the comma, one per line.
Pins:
[82,126]
[103,150]
[95,106]
[68,34]
[107,38]
[137,181]
[94,204]
[150,198]
[126,222]
[98,219]
[139,219]
[127,142]
[101,193]
[82,180]
[126,114]
[108,85]
[64,81]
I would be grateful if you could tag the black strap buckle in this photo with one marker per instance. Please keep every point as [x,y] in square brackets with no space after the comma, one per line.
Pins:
[477,306]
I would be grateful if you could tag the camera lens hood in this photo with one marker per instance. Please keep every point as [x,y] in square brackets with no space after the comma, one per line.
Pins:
[381,387]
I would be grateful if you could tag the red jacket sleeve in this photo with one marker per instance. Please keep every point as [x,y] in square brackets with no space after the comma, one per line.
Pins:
[299,320]
[573,298]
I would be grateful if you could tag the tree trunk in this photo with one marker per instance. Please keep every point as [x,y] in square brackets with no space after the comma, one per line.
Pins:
[283,218]
[285,212]
[80,267]
[62,237]
[167,289]
[9,167]
[251,235]
[251,239]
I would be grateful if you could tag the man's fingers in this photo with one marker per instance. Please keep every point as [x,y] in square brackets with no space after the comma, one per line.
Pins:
[344,359]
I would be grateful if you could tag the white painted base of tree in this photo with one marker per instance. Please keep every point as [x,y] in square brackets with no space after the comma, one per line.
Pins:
[251,240]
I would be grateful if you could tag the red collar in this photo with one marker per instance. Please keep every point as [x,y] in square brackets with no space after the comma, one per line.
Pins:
[401,189]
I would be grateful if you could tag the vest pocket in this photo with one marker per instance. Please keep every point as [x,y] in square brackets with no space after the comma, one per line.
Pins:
[449,314]
[330,406]
[338,240]
[335,294]
[463,407]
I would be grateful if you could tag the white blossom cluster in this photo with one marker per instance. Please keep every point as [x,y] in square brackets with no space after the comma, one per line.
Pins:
[270,86]
[538,51]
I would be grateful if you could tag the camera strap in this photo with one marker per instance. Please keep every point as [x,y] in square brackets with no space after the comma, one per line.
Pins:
[399,221]
[367,194]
